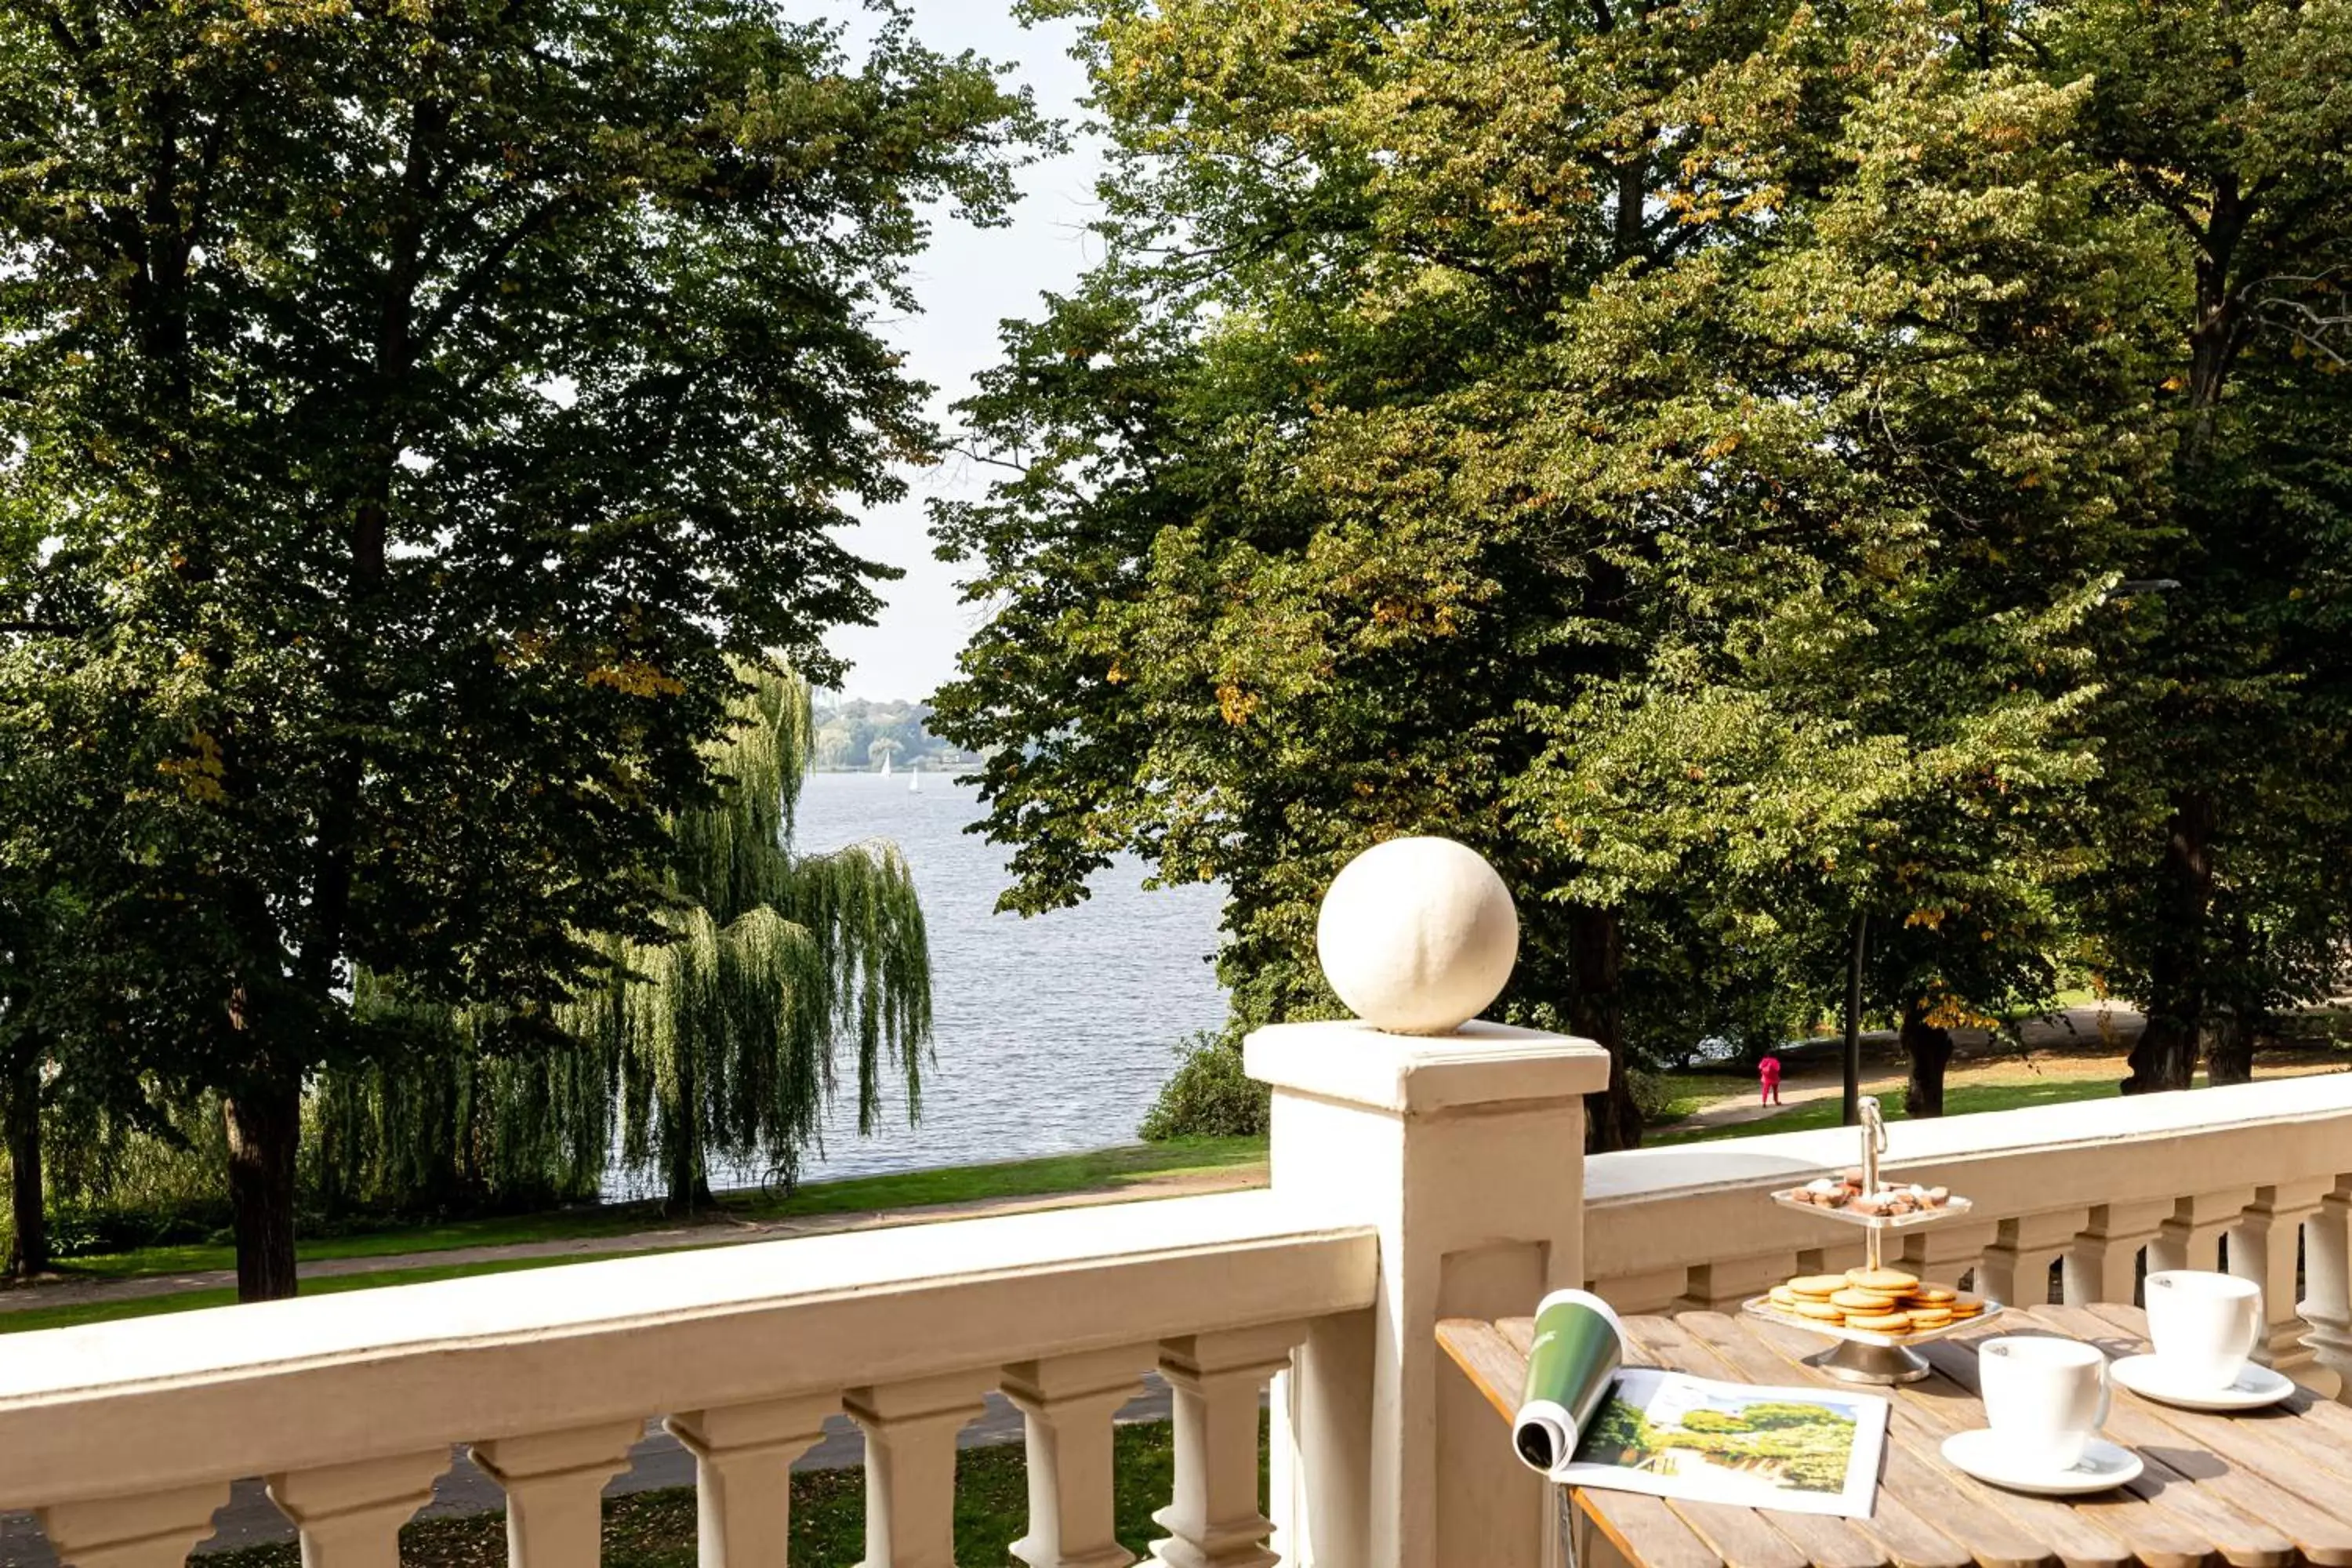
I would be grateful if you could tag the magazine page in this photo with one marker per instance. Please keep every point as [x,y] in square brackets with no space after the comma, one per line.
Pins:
[1806,1450]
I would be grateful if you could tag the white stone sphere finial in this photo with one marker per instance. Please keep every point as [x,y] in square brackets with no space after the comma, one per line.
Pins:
[1418,935]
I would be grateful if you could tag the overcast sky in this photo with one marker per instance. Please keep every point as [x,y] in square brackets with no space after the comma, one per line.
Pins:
[970,280]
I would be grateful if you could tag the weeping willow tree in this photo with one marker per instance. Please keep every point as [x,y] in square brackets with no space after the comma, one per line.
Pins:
[724,1037]
[456,1110]
[716,1046]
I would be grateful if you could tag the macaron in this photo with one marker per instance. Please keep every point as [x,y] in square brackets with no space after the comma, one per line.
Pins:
[1886,1281]
[1854,1300]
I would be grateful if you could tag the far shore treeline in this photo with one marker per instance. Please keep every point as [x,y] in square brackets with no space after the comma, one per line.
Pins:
[1776,478]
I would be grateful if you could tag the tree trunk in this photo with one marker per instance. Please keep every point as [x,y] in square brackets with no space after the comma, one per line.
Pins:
[265,1132]
[1930,1051]
[1850,1112]
[29,1250]
[1596,959]
[2230,1057]
[689,1188]
[2166,1056]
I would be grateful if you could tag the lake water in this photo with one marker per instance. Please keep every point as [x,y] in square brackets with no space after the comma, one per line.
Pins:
[1054,1032]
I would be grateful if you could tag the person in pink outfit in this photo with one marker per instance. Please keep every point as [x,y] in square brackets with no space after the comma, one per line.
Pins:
[1770,1071]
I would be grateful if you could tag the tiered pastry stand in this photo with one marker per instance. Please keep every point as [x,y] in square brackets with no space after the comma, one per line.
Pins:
[1864,1355]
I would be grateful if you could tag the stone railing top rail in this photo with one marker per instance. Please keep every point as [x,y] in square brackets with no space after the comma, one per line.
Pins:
[1657,1209]
[1773,1159]
[320,1380]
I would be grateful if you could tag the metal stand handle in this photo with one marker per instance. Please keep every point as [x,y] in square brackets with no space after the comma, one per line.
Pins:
[1874,1144]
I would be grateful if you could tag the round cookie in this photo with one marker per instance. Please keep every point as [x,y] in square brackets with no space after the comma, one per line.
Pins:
[1929,1317]
[1879,1322]
[1854,1300]
[1819,1286]
[1886,1281]
[1935,1295]
[1781,1295]
[1967,1307]
[1820,1312]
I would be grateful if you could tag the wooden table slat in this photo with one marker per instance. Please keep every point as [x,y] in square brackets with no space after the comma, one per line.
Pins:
[1652,1534]
[2261,1489]
[1827,1542]
[2053,1526]
[2198,1525]
[1494,1366]
[2317,1530]
[1912,1491]
[2272,1444]
[2131,1324]
[2145,1534]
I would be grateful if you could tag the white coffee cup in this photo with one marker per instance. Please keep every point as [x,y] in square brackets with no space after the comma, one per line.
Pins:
[2203,1325]
[2043,1397]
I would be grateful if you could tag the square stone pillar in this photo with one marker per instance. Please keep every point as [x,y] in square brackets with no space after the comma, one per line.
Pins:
[1466,1152]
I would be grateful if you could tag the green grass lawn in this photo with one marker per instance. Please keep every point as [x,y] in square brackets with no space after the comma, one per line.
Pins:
[1696,1090]
[1959,1099]
[1094,1170]
[656,1529]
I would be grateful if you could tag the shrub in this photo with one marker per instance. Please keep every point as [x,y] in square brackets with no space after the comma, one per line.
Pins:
[1652,1093]
[1209,1095]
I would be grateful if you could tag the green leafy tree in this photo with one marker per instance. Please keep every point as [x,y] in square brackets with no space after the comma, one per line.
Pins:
[715,1044]
[1546,426]
[423,406]
[2225,127]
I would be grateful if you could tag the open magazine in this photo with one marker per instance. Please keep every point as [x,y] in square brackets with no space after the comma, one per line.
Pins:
[1588,1420]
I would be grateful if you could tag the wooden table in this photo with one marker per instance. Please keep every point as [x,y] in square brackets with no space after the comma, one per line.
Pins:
[2267,1489]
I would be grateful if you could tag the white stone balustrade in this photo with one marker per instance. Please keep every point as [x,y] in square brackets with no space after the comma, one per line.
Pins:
[1414,1178]
[2257,1176]
[123,1437]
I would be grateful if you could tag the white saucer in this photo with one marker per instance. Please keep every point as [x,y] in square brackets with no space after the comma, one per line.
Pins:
[1980,1454]
[2256,1386]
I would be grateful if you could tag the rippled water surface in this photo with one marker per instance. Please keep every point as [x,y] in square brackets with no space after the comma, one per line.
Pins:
[1054,1032]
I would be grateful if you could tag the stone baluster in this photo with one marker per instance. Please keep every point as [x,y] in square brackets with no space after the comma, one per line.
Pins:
[1943,1253]
[743,1458]
[2015,1269]
[2191,1238]
[2328,1285]
[1213,1520]
[1067,1403]
[1658,1290]
[1721,1285]
[910,1456]
[2103,1263]
[554,1483]
[349,1515]
[2263,1247]
[154,1529]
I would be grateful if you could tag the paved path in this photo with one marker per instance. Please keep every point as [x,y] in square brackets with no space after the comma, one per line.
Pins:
[719,1232]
